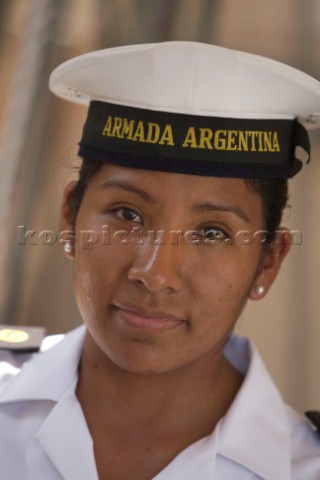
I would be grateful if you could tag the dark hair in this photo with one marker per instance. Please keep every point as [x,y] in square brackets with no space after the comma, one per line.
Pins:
[87,170]
[274,195]
[273,192]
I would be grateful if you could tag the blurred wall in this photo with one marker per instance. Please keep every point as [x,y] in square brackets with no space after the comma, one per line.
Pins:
[39,136]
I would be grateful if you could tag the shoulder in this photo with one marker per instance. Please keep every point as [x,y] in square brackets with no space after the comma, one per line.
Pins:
[11,364]
[305,447]
[42,375]
[290,447]
[12,361]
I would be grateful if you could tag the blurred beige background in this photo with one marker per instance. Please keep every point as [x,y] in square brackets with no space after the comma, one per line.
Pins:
[39,136]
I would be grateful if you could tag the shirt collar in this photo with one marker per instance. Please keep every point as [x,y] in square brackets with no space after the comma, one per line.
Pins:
[48,374]
[255,433]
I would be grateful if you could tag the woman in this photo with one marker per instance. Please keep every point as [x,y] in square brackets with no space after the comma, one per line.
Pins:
[173,225]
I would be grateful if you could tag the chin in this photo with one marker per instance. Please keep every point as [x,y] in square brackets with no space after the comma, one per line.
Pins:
[140,364]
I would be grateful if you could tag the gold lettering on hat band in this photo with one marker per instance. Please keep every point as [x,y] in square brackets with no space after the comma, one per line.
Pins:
[195,138]
[232,140]
[138,131]
[10,335]
[193,144]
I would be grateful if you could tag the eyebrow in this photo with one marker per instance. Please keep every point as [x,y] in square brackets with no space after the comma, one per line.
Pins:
[128,187]
[203,207]
[216,207]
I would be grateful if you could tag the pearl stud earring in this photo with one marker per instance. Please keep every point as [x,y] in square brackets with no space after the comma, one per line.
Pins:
[259,289]
[68,247]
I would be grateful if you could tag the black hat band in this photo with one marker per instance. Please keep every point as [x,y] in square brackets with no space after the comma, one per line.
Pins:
[193,144]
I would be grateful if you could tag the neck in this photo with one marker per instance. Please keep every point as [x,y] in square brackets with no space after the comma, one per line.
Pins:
[201,391]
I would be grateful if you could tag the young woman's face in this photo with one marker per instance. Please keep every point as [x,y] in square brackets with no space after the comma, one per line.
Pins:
[161,270]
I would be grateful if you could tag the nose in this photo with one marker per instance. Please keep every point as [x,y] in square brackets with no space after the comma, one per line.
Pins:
[158,268]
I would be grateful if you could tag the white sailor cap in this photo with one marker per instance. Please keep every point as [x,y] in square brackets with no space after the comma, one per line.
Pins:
[193,108]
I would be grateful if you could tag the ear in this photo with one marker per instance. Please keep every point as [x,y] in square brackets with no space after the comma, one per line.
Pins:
[271,260]
[68,221]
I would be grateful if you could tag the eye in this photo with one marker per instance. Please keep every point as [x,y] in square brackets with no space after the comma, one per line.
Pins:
[213,235]
[127,214]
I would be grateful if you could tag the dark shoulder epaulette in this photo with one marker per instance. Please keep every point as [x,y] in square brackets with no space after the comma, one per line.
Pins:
[314,417]
[21,339]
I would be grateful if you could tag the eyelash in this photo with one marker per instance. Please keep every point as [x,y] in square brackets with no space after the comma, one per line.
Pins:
[116,211]
[221,237]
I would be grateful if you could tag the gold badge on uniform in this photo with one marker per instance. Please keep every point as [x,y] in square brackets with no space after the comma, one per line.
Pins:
[10,335]
[21,339]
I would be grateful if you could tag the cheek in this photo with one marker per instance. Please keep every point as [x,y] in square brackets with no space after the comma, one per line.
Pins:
[223,280]
[98,272]
[86,285]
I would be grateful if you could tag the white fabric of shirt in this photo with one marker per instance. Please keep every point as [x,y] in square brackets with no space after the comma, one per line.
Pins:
[44,435]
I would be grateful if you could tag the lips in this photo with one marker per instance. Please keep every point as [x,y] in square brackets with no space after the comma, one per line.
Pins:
[153,321]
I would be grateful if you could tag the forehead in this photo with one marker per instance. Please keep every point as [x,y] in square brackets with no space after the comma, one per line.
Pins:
[172,188]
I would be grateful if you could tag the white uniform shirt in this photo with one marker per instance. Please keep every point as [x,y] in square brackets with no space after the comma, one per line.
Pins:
[44,435]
